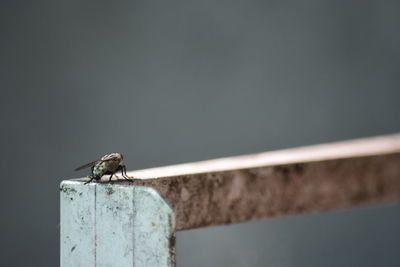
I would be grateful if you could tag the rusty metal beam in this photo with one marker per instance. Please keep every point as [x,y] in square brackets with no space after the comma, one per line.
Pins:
[292,181]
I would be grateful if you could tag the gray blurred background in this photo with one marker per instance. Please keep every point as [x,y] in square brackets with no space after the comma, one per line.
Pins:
[176,81]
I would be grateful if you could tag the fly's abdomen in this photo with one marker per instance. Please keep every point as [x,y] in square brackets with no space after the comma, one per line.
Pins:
[105,167]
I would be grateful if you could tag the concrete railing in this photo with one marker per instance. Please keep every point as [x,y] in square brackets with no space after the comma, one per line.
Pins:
[134,224]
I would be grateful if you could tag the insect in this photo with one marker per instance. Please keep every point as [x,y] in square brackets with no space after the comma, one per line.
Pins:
[108,164]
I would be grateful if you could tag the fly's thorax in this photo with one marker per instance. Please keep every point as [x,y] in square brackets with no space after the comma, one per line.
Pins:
[112,156]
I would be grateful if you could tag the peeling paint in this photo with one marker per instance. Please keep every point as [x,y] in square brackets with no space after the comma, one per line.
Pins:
[110,191]
[185,195]
[67,190]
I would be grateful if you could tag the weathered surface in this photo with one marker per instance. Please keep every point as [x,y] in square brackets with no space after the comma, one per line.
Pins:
[77,225]
[241,195]
[309,179]
[115,225]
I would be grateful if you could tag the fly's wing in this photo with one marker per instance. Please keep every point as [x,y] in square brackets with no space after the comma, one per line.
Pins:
[107,157]
[87,165]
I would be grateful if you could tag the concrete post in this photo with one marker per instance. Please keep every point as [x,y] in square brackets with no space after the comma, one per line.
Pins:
[115,225]
[131,224]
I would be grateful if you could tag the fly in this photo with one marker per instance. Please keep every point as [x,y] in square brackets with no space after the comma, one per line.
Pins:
[108,164]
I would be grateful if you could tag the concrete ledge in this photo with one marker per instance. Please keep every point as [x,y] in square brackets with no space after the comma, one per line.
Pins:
[306,179]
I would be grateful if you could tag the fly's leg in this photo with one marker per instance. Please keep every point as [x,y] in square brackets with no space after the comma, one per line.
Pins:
[110,177]
[123,172]
[92,176]
[91,179]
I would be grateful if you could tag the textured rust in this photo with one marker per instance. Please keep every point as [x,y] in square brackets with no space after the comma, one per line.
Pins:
[237,195]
